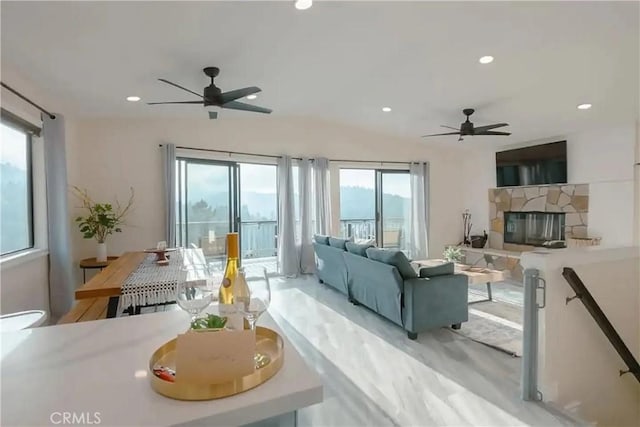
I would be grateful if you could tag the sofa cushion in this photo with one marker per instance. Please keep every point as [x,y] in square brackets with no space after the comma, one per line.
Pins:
[437,270]
[370,242]
[358,248]
[338,243]
[323,240]
[393,257]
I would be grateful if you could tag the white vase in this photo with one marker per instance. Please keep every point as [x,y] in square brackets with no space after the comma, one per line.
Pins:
[101,252]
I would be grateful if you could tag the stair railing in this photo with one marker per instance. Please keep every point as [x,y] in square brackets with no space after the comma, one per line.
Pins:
[583,294]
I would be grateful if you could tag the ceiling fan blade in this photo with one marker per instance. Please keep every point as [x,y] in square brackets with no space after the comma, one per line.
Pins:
[235,105]
[180,87]
[440,134]
[449,127]
[175,102]
[232,95]
[489,127]
[491,132]
[213,115]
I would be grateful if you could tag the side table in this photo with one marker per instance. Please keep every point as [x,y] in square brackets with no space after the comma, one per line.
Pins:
[92,264]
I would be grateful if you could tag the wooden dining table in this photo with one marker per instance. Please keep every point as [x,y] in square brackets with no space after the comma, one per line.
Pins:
[134,280]
[108,282]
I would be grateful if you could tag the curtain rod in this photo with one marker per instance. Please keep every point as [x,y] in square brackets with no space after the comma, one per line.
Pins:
[276,157]
[24,98]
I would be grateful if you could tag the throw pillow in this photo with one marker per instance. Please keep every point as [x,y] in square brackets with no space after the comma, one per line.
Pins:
[338,243]
[358,248]
[393,257]
[437,270]
[323,240]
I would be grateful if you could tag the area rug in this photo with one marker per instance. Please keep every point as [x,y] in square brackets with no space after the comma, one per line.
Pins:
[496,324]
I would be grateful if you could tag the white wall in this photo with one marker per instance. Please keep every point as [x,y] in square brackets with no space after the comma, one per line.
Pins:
[25,284]
[602,158]
[479,175]
[578,366]
[636,216]
[110,155]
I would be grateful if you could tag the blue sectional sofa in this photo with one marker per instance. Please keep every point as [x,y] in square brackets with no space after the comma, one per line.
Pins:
[384,281]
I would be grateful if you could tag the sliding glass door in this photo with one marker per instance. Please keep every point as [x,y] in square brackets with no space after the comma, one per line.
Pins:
[375,205]
[395,208]
[207,204]
[258,210]
[215,198]
[358,203]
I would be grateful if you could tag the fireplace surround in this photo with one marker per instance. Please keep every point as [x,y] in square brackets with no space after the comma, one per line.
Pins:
[572,200]
[533,228]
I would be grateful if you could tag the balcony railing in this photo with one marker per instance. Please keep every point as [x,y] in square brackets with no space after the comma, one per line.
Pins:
[258,239]
[394,231]
[359,229]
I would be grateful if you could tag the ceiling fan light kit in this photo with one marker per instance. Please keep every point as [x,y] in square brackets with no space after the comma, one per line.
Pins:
[214,97]
[467,128]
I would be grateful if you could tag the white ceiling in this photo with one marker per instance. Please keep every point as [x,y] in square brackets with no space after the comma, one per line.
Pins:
[341,61]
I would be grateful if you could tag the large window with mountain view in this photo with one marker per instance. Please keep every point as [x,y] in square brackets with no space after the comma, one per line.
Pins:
[374,206]
[16,220]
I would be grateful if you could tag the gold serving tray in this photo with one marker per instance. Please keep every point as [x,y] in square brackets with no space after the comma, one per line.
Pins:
[268,342]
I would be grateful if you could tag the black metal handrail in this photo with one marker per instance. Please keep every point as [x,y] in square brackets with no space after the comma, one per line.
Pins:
[583,294]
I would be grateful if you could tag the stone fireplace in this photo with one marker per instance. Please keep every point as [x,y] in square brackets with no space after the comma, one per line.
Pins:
[523,217]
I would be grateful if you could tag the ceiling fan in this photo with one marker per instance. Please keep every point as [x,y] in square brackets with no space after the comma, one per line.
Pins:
[213,96]
[467,128]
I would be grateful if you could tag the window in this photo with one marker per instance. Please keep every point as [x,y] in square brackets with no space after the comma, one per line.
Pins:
[375,205]
[358,203]
[16,195]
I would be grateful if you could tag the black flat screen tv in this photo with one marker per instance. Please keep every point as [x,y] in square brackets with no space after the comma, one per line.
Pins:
[535,165]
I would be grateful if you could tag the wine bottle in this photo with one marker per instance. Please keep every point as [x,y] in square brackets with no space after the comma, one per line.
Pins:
[227,307]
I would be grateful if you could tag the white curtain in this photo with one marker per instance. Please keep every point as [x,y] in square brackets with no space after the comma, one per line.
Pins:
[61,281]
[305,198]
[419,222]
[170,193]
[322,195]
[288,256]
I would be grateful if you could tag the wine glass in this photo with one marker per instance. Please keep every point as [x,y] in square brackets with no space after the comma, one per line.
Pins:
[258,299]
[196,289]
[254,304]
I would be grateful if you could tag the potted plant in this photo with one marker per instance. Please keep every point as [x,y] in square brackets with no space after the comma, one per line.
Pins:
[102,219]
[453,254]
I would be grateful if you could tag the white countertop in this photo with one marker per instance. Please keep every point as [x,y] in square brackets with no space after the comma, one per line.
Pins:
[101,366]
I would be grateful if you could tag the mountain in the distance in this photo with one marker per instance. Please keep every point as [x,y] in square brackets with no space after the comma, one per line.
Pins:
[355,203]
[360,203]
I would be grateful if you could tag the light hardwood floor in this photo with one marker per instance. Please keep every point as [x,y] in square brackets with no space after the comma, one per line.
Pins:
[375,376]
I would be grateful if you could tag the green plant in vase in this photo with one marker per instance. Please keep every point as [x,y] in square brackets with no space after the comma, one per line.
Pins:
[453,254]
[102,219]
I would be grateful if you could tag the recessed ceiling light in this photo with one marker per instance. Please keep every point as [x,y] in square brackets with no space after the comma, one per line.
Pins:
[133,98]
[252,96]
[584,106]
[386,109]
[486,59]
[303,4]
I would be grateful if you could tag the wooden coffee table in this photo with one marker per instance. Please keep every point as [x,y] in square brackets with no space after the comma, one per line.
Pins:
[476,275]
